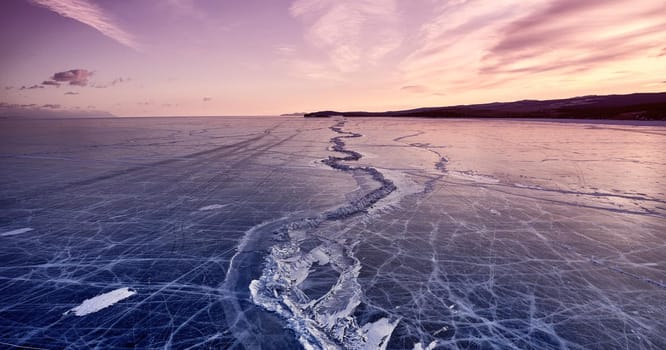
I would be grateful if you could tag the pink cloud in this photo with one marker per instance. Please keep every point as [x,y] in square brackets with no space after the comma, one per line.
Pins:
[50,82]
[558,37]
[350,32]
[473,49]
[33,87]
[91,15]
[78,77]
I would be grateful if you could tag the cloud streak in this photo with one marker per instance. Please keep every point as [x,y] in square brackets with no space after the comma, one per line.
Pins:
[48,110]
[92,15]
[502,46]
[350,32]
[33,87]
[114,82]
[620,32]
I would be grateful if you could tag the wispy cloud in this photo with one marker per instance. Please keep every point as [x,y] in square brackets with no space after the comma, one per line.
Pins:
[114,82]
[188,8]
[33,87]
[350,32]
[92,15]
[488,44]
[46,111]
[620,31]
[51,82]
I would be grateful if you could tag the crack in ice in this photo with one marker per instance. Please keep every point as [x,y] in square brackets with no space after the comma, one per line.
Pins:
[328,321]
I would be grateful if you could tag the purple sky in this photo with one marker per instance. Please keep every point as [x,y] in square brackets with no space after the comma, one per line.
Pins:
[230,57]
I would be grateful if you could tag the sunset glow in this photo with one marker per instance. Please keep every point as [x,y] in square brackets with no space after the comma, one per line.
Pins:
[208,57]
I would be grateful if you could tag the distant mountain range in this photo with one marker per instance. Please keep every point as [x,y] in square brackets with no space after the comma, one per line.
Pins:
[639,106]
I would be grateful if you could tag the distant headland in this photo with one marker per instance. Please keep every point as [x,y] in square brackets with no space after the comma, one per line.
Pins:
[638,106]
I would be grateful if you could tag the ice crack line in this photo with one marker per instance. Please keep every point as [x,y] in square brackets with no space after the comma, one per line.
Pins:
[356,206]
[326,321]
[362,204]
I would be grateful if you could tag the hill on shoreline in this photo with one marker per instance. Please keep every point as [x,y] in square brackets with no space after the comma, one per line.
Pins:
[638,106]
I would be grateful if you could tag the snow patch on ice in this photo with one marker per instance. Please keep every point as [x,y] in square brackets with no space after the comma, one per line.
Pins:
[472,176]
[431,346]
[368,155]
[101,301]
[532,187]
[213,207]
[378,333]
[16,232]
[404,187]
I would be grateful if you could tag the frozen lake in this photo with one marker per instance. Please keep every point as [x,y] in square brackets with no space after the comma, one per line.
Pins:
[285,232]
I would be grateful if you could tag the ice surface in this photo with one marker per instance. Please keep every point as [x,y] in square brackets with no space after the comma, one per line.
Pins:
[102,301]
[287,233]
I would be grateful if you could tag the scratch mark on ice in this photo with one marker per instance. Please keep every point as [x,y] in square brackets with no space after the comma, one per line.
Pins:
[213,207]
[16,232]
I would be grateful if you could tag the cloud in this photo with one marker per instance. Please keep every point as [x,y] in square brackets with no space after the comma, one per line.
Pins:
[285,50]
[206,99]
[112,83]
[51,82]
[504,46]
[560,36]
[78,77]
[415,88]
[8,87]
[71,93]
[350,32]
[421,90]
[47,111]
[33,87]
[5,105]
[188,8]
[120,80]
[92,15]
